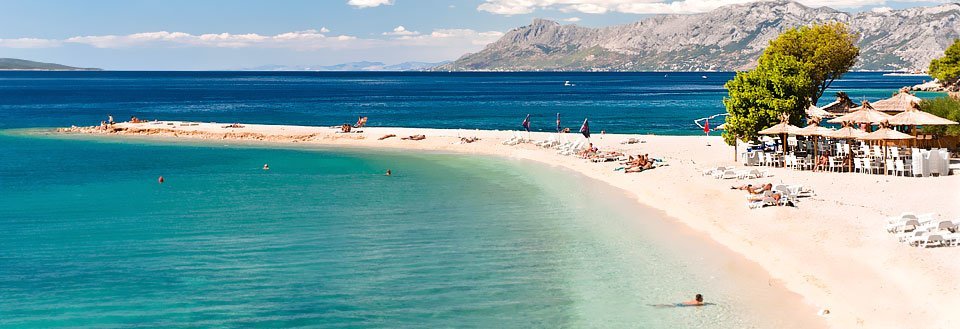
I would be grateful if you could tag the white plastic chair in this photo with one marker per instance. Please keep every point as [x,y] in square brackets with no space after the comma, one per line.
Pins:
[899,168]
[857,165]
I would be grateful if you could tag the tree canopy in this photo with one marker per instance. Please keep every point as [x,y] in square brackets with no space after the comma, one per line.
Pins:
[827,51]
[947,68]
[758,98]
[792,73]
[944,107]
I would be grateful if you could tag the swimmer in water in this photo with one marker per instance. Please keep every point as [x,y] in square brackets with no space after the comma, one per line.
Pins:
[266,167]
[697,301]
[388,173]
[160,180]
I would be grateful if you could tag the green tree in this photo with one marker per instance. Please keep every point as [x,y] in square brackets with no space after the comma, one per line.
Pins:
[944,107]
[827,51]
[947,68]
[758,98]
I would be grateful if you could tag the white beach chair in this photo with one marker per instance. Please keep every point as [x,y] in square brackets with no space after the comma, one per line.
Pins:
[944,161]
[932,240]
[907,226]
[904,216]
[857,165]
[889,166]
[899,168]
[728,174]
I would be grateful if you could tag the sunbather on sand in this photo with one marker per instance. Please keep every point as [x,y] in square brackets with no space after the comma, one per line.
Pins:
[415,137]
[386,136]
[776,197]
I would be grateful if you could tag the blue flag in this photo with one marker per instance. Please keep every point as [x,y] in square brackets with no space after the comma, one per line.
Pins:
[526,123]
[585,128]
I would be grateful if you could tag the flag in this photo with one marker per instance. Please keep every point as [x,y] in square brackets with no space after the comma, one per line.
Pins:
[706,127]
[526,123]
[558,123]
[585,129]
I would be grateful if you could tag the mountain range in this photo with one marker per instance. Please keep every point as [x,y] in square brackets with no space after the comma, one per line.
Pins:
[726,39]
[25,65]
[352,66]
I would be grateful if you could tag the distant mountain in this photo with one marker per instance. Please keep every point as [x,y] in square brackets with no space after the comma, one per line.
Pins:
[352,66]
[726,39]
[20,64]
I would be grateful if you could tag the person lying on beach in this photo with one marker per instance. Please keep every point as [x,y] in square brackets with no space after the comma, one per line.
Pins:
[776,197]
[386,136]
[235,125]
[753,189]
[415,137]
[469,139]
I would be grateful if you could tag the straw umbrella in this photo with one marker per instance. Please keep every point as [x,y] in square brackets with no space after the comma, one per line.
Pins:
[783,129]
[900,102]
[847,132]
[814,111]
[913,117]
[814,129]
[864,114]
[884,134]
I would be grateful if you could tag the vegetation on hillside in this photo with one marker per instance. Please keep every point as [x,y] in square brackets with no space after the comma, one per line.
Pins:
[947,68]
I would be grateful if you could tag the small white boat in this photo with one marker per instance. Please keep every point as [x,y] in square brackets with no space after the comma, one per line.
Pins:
[905,74]
[703,77]
[568,84]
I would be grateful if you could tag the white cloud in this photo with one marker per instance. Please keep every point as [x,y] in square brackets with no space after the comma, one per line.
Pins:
[307,39]
[324,30]
[518,7]
[453,42]
[400,30]
[369,3]
[572,19]
[29,43]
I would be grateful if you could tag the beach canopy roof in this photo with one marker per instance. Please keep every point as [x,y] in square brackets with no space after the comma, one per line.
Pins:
[864,114]
[814,111]
[814,130]
[900,102]
[914,117]
[886,134]
[847,133]
[780,129]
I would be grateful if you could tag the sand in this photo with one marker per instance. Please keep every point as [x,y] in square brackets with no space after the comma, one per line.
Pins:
[831,249]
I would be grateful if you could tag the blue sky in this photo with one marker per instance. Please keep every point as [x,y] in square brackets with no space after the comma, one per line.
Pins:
[203,35]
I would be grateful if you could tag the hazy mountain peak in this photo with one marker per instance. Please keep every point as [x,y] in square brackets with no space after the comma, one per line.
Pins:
[728,38]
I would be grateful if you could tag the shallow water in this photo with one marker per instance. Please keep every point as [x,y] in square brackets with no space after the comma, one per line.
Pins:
[325,239]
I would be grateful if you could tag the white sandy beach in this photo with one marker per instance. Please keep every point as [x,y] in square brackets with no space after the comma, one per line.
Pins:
[832,249]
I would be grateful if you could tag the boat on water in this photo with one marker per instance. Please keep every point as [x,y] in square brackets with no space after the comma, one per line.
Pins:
[906,74]
[703,77]
[568,84]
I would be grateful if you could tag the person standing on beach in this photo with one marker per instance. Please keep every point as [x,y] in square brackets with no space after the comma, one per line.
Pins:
[110,118]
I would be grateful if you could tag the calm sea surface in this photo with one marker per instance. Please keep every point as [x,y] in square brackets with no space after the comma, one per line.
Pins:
[323,239]
[660,103]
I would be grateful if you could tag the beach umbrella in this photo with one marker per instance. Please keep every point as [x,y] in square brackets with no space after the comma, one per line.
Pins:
[900,102]
[864,114]
[814,130]
[884,134]
[915,117]
[847,132]
[814,111]
[783,129]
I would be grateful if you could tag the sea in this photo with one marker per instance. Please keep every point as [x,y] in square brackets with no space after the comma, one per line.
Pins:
[323,239]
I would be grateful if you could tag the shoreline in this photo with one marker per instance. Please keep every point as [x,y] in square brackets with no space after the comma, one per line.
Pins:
[831,250]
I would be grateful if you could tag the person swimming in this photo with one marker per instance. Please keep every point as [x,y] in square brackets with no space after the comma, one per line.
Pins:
[388,173]
[266,167]
[160,180]
[697,301]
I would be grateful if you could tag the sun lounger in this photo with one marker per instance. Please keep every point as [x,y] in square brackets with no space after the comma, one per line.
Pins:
[932,240]
[907,226]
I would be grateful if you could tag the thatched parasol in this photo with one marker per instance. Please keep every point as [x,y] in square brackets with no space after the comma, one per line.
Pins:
[915,117]
[885,134]
[900,102]
[864,114]
[815,112]
[814,129]
[847,132]
[783,129]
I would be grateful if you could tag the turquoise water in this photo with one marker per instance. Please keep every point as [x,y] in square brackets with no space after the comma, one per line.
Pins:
[324,239]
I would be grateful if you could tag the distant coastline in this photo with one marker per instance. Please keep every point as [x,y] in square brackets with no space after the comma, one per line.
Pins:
[14,64]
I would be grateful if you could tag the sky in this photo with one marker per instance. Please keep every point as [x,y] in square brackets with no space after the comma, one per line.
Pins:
[237,34]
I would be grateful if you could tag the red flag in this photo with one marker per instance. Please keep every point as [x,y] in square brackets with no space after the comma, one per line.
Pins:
[706,127]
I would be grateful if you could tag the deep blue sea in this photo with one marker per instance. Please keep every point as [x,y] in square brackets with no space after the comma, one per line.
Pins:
[323,239]
[659,103]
